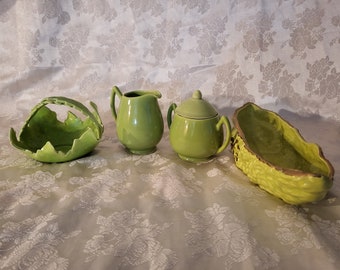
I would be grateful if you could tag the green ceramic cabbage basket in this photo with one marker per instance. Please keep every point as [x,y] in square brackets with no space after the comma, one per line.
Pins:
[46,139]
[273,154]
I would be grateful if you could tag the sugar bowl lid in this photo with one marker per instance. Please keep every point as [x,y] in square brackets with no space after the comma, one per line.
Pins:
[196,107]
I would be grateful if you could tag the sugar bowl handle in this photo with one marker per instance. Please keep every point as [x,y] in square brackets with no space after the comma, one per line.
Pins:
[224,121]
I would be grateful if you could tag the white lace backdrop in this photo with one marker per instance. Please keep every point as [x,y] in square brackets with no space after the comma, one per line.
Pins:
[111,210]
[271,52]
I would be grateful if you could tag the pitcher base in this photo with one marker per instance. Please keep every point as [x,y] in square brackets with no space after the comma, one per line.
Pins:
[142,151]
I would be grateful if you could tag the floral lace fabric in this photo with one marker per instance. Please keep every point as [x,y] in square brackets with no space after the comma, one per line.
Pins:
[114,210]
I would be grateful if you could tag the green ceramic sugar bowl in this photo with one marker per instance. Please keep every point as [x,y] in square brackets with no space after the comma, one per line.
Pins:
[139,121]
[196,129]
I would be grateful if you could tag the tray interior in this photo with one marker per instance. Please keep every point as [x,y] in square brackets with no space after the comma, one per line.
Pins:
[277,142]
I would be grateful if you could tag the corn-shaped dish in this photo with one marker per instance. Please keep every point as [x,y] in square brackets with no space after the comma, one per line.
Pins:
[273,154]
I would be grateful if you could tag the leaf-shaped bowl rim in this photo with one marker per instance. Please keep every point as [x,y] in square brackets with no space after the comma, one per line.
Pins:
[59,156]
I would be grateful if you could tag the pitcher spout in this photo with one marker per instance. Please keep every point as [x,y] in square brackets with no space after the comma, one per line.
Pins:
[155,93]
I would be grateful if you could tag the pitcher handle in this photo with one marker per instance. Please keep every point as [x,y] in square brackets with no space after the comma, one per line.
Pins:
[115,91]
[224,121]
[172,107]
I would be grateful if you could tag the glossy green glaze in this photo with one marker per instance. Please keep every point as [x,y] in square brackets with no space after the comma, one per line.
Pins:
[273,154]
[139,121]
[196,131]
[196,107]
[46,139]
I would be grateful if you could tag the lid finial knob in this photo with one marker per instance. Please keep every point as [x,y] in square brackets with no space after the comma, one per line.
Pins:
[197,94]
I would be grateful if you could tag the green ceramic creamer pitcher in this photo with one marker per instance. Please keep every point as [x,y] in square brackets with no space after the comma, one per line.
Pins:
[139,121]
[196,129]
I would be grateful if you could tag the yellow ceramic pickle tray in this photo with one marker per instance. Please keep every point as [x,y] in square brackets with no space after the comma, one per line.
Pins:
[273,154]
